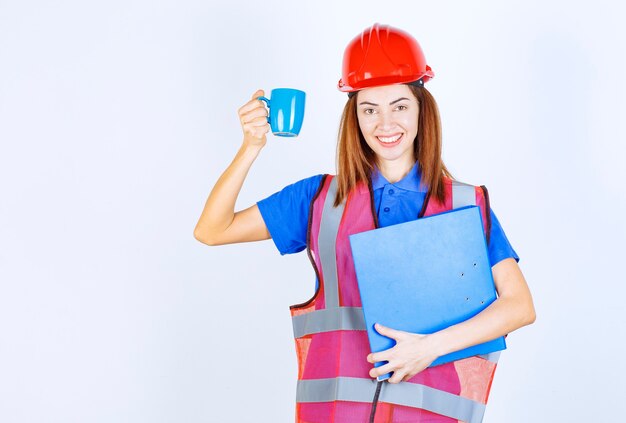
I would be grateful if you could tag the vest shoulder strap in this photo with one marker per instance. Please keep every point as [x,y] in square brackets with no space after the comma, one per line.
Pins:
[464,194]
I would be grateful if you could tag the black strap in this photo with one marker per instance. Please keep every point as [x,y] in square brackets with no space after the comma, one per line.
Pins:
[418,83]
[375,401]
[487,212]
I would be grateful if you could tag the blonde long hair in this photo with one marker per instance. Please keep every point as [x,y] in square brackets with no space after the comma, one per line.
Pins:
[356,160]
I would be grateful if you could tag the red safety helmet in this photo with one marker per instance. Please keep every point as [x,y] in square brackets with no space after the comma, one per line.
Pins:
[383,55]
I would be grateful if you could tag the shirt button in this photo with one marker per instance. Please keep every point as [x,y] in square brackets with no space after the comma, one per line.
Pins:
[386,209]
[391,191]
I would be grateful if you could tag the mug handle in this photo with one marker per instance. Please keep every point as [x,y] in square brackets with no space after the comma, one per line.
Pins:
[267,102]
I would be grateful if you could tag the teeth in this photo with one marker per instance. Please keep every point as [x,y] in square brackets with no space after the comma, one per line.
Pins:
[390,139]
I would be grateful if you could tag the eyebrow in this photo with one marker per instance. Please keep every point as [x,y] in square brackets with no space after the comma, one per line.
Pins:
[391,104]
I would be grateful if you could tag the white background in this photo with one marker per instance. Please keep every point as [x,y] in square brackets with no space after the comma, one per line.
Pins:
[117,117]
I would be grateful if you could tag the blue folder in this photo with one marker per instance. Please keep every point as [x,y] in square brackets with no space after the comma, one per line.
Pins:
[423,276]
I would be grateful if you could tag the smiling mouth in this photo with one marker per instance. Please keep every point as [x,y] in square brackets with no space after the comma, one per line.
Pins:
[390,141]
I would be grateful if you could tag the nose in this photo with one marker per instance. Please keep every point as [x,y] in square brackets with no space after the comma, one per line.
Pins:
[386,122]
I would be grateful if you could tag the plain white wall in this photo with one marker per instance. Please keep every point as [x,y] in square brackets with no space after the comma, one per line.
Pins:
[117,117]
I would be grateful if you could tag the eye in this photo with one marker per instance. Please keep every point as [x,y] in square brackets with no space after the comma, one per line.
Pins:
[402,107]
[368,111]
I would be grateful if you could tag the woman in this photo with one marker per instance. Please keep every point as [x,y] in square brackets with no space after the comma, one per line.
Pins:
[389,171]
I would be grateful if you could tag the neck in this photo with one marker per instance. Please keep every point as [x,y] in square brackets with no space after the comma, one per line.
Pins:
[394,171]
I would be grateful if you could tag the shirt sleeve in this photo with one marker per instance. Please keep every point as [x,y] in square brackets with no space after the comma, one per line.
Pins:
[286,214]
[499,246]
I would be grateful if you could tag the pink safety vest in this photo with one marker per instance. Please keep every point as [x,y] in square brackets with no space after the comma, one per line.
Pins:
[331,342]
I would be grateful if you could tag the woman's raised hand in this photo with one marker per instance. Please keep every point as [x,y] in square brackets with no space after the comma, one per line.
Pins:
[218,223]
[253,118]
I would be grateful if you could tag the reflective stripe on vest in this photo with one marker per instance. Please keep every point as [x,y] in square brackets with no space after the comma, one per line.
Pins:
[408,394]
[463,195]
[342,318]
[328,320]
[331,218]
[336,318]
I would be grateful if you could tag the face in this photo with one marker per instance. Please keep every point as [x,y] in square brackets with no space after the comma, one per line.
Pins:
[388,117]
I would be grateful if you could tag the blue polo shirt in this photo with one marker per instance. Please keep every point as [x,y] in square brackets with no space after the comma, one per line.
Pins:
[286,212]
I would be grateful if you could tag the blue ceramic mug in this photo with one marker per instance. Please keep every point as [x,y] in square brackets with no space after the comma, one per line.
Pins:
[286,111]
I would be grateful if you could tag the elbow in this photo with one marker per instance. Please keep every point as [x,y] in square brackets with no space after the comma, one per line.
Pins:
[521,313]
[529,316]
[203,237]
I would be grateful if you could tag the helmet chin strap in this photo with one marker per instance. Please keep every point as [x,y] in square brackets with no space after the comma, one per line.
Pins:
[418,83]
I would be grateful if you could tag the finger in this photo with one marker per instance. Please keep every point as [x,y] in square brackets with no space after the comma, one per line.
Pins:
[388,332]
[384,355]
[260,121]
[253,103]
[379,356]
[408,376]
[256,112]
[257,131]
[382,370]
[397,377]
[258,93]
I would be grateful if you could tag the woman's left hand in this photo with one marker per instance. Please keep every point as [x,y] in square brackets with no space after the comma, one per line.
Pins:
[411,354]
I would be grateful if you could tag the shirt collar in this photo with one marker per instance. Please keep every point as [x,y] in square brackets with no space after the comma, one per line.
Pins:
[411,182]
